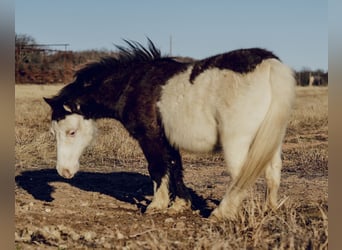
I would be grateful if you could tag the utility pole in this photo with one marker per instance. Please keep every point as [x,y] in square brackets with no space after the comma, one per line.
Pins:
[64,59]
[170,45]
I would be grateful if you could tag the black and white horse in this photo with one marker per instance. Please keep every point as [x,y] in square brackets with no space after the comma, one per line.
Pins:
[241,100]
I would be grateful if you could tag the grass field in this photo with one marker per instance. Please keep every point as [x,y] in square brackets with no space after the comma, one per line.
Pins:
[102,206]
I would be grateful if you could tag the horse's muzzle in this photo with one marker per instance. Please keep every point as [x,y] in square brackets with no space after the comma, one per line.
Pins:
[64,172]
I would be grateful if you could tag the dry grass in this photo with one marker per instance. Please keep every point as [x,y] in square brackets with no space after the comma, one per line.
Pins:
[301,222]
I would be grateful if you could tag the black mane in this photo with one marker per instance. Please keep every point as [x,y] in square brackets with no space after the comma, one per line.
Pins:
[133,54]
[137,52]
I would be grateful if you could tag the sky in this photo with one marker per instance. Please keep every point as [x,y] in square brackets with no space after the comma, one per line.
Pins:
[296,31]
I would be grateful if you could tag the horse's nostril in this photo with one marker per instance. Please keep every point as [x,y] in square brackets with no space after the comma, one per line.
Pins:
[66,173]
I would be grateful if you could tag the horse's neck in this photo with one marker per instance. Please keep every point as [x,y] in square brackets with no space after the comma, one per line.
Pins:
[105,102]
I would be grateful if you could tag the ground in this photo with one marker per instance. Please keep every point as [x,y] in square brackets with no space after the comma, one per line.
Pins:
[103,206]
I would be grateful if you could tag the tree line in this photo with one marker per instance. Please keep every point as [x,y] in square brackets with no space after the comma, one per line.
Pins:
[35,63]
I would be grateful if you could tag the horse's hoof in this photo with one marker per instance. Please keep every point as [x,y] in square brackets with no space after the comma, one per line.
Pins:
[217,215]
[179,205]
[152,211]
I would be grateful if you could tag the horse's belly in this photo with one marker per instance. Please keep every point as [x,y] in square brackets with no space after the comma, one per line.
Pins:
[188,114]
[192,134]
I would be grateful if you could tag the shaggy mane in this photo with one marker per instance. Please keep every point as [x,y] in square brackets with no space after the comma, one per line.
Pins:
[135,52]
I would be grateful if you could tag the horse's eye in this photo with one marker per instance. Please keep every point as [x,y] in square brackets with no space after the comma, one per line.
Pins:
[71,133]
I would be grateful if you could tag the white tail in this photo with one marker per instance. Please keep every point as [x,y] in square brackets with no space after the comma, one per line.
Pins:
[266,141]
[268,137]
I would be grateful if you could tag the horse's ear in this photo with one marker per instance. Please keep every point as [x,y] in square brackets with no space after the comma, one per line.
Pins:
[72,107]
[67,108]
[49,101]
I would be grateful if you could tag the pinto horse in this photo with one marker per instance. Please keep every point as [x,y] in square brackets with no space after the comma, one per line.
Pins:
[240,100]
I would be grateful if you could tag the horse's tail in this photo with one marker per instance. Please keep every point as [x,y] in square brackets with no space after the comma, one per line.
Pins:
[272,129]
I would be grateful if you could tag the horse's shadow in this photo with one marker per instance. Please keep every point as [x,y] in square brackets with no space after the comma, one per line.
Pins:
[125,186]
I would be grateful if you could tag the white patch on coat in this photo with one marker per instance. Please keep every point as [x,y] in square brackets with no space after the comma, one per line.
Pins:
[188,122]
[73,135]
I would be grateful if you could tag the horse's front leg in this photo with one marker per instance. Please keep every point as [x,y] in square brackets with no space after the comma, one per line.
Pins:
[165,168]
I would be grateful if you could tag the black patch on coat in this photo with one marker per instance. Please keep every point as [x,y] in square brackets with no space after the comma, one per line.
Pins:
[241,61]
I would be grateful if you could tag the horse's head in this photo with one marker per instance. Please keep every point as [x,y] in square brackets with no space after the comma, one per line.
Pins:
[73,134]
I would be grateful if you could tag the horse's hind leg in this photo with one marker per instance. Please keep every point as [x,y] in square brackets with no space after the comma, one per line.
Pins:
[272,176]
[235,151]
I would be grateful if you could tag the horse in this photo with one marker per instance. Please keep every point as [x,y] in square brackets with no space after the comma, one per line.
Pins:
[240,100]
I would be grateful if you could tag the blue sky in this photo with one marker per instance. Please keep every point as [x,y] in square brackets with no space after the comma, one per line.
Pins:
[297,31]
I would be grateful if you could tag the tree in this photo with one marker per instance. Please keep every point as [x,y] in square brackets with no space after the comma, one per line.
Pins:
[22,40]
